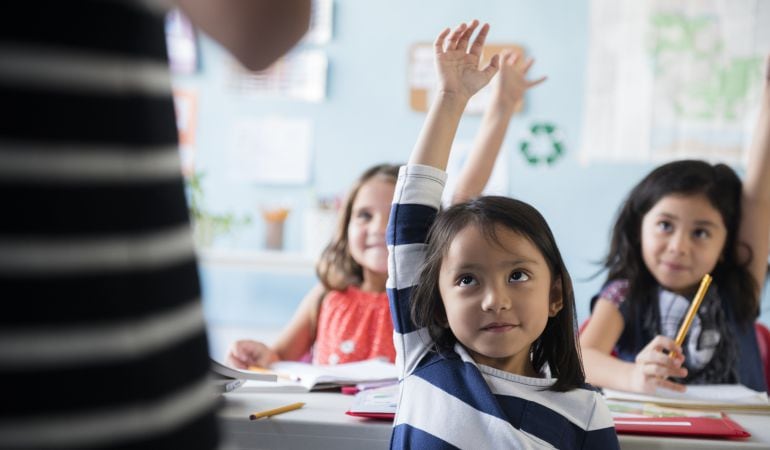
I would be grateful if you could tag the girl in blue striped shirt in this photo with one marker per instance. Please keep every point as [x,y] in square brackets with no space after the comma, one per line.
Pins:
[483,308]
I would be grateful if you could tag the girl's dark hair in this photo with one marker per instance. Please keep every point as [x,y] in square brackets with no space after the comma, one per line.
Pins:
[336,269]
[556,346]
[722,187]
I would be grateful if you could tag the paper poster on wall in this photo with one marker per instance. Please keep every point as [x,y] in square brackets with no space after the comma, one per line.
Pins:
[321,23]
[498,183]
[673,79]
[423,79]
[301,75]
[186,108]
[180,43]
[270,150]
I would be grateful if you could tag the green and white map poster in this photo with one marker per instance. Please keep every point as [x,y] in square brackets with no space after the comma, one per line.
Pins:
[673,79]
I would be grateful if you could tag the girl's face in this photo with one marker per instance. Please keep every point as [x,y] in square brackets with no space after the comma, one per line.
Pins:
[368,221]
[497,297]
[682,240]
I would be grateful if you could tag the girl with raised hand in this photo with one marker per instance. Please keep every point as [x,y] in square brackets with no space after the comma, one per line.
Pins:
[682,221]
[482,303]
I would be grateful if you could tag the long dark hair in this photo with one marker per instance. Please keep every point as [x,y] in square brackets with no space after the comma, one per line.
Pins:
[722,187]
[336,269]
[556,346]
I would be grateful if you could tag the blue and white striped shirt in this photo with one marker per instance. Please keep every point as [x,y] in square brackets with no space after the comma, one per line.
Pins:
[451,401]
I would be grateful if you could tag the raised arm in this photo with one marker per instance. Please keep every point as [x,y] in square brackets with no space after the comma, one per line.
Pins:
[256,32]
[507,95]
[755,223]
[418,190]
[459,78]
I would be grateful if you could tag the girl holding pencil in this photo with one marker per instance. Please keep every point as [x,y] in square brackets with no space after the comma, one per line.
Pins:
[684,220]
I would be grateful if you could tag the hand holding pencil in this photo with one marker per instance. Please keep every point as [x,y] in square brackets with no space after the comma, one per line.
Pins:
[663,357]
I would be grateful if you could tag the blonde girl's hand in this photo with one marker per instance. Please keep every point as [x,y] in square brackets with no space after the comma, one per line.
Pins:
[458,65]
[246,353]
[512,80]
[653,367]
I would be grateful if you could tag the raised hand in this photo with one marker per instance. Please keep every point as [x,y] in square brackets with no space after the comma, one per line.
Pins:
[653,367]
[458,66]
[512,80]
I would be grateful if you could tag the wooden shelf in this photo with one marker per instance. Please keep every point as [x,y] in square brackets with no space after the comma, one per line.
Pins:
[259,260]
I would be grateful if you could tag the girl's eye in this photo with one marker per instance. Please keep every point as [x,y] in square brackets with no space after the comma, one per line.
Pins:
[665,226]
[466,280]
[701,233]
[518,276]
[363,215]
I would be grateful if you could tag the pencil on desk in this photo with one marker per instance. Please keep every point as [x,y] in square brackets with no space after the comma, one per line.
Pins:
[273,412]
[696,301]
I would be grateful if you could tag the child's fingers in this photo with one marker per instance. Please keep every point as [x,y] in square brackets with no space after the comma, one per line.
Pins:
[661,343]
[527,65]
[466,37]
[671,385]
[455,36]
[438,44]
[236,362]
[265,360]
[510,57]
[492,67]
[536,82]
[478,43]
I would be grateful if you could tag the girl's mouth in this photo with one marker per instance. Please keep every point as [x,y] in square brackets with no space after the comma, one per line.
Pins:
[673,266]
[498,327]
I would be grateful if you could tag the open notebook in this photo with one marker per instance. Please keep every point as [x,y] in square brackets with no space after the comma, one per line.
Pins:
[227,379]
[725,397]
[303,377]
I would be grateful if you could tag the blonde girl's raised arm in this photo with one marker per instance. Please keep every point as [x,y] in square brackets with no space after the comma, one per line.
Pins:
[755,222]
[509,88]
[459,78]
[298,336]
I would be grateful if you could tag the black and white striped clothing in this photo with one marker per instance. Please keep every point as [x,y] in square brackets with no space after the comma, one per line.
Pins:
[102,339]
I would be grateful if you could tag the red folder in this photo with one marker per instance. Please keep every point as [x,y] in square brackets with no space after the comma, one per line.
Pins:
[681,426]
[373,415]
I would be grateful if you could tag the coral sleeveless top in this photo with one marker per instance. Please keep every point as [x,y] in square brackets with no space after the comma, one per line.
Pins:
[354,325]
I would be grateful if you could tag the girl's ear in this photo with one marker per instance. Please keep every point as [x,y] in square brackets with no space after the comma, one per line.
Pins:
[556,298]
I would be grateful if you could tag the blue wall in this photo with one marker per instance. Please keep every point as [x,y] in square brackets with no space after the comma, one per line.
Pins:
[366,119]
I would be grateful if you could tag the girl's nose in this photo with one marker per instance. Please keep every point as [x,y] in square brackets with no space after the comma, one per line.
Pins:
[496,299]
[678,243]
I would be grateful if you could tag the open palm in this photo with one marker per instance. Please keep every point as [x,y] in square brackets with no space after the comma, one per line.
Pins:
[512,80]
[457,66]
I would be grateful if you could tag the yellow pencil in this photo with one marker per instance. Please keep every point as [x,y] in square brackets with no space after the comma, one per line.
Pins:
[285,376]
[272,412]
[696,301]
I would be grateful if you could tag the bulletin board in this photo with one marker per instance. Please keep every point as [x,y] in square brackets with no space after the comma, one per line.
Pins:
[422,76]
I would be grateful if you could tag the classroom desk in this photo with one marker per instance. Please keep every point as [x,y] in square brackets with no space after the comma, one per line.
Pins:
[322,424]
